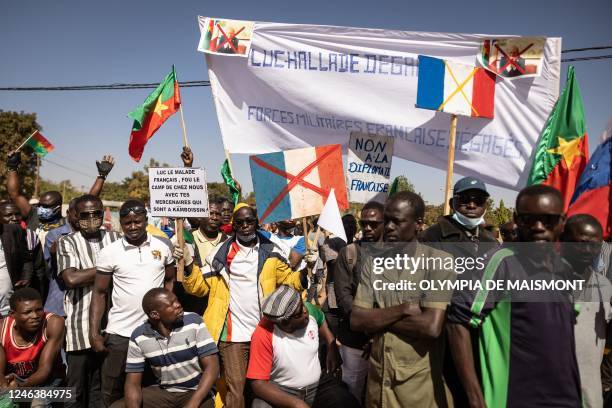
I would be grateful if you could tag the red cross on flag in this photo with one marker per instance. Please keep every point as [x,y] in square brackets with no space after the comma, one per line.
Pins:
[295,183]
[516,57]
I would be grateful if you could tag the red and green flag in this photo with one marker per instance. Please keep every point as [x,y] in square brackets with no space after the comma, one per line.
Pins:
[562,152]
[39,144]
[148,117]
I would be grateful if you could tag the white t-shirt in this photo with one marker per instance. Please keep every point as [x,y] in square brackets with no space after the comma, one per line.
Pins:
[244,310]
[135,270]
[6,285]
[288,359]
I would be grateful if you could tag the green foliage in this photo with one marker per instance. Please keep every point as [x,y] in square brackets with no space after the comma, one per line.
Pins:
[218,190]
[15,127]
[65,187]
[355,209]
[250,199]
[403,184]
[114,191]
[432,213]
[502,214]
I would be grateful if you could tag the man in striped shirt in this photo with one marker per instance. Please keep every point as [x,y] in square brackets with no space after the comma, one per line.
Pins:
[76,259]
[180,351]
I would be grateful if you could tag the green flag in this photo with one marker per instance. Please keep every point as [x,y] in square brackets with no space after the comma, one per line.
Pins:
[394,186]
[188,236]
[226,173]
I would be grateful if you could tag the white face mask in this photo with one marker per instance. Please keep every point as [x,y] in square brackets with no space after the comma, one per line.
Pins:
[469,223]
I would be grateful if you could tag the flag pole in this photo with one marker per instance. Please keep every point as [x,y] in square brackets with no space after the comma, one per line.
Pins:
[305,231]
[25,141]
[450,164]
[180,265]
[229,161]
[185,142]
[37,177]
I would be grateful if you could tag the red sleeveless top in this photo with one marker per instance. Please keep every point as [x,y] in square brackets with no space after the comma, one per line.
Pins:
[23,360]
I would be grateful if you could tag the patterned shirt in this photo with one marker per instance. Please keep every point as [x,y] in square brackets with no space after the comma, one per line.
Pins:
[74,251]
[175,360]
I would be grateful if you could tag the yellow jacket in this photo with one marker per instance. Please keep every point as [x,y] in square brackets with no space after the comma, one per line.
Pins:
[213,280]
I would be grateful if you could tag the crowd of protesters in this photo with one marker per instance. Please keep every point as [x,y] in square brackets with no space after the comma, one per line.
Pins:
[271,316]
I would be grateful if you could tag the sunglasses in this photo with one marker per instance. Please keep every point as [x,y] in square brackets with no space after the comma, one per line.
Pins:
[479,200]
[138,209]
[371,224]
[246,222]
[91,214]
[48,205]
[549,220]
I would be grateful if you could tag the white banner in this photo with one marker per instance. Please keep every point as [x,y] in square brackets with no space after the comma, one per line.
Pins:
[368,167]
[178,192]
[308,85]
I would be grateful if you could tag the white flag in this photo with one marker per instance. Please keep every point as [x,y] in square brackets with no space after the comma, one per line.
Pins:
[330,219]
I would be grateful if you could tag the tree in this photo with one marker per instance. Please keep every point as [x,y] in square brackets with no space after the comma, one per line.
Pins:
[355,209]
[502,214]
[218,190]
[137,184]
[432,213]
[250,199]
[402,184]
[65,187]
[114,191]
[15,127]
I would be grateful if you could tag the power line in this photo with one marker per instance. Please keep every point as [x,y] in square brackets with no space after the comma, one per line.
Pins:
[71,160]
[204,83]
[604,47]
[597,57]
[68,168]
[186,84]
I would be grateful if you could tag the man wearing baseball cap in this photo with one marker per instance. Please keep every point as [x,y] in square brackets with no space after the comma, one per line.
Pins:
[462,235]
[469,204]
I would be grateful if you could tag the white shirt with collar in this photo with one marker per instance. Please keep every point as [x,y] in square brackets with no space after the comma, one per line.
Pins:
[134,270]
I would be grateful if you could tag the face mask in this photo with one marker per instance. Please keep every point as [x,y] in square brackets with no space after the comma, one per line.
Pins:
[469,223]
[48,214]
[246,238]
[90,225]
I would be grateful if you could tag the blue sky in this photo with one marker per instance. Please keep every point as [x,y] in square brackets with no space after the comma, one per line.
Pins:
[51,43]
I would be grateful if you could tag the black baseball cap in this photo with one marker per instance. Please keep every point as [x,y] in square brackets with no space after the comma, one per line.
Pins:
[470,183]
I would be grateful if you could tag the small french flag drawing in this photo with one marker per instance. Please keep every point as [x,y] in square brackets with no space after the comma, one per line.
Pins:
[454,88]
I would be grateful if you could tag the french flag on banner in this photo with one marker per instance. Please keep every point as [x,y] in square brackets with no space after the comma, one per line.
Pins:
[296,183]
[454,88]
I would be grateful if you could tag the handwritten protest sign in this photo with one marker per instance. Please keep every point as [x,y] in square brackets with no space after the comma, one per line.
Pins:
[178,192]
[369,167]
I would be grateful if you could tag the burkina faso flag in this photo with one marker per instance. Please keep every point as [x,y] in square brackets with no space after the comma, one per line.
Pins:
[148,117]
[563,150]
